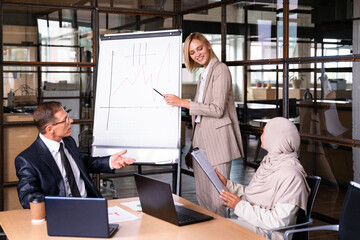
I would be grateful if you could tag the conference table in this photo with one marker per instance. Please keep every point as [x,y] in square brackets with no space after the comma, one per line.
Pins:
[17,225]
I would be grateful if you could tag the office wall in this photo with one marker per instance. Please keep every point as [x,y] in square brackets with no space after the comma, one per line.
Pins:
[16,139]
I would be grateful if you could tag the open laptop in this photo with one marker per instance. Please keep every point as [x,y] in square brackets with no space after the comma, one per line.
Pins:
[156,200]
[78,217]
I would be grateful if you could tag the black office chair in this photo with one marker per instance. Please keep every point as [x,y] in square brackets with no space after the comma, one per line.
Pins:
[303,220]
[348,227]
[2,234]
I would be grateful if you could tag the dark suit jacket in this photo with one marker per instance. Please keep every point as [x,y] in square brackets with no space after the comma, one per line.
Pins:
[38,173]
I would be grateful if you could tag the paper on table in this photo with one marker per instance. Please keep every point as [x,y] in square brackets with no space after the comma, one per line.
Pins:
[136,206]
[205,165]
[117,214]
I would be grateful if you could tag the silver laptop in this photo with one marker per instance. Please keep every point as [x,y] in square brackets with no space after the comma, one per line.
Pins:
[156,200]
[78,217]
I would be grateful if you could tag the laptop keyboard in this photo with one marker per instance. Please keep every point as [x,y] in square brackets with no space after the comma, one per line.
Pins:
[112,228]
[184,218]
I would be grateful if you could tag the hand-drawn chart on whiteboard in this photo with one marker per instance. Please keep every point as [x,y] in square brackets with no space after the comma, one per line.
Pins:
[128,112]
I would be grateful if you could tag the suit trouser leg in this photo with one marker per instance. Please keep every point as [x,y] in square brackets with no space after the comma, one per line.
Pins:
[206,193]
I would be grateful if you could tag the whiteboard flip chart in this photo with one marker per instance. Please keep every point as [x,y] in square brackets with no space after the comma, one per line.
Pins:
[129,114]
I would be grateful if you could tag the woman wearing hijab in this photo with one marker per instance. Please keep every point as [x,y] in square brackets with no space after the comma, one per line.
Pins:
[215,124]
[278,189]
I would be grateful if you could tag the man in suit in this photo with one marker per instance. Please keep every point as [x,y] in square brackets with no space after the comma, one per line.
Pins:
[53,165]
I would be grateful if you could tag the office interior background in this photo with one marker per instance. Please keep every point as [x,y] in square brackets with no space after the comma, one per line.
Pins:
[292,58]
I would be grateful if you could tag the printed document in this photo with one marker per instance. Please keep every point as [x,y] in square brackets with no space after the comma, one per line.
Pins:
[205,165]
[117,214]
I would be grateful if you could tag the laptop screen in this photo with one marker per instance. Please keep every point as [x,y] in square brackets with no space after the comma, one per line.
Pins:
[77,217]
[156,200]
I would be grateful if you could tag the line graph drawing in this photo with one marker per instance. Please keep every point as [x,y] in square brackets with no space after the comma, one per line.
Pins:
[111,76]
[141,71]
[138,55]
[145,78]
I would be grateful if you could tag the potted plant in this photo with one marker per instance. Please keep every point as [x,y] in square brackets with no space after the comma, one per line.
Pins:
[296,82]
[258,83]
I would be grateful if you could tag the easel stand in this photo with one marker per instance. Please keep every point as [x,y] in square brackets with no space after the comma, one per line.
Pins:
[160,169]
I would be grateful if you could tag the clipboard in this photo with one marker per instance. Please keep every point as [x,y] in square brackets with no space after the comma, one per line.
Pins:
[209,170]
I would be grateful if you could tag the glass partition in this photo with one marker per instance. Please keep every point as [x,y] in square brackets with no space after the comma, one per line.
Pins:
[332,80]
[235,47]
[20,86]
[194,22]
[47,35]
[187,4]
[257,23]
[325,27]
[85,138]
[66,37]
[237,74]
[54,2]
[334,164]
[20,52]
[70,83]
[165,5]
[119,23]
[262,80]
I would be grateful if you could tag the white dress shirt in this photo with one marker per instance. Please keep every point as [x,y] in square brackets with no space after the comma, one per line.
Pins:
[202,87]
[54,147]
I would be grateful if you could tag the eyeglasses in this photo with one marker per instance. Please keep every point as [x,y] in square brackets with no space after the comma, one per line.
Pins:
[67,120]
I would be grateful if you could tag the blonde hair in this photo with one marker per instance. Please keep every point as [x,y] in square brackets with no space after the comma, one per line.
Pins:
[189,62]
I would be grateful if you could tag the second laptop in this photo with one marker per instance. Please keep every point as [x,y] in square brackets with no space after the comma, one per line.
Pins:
[156,200]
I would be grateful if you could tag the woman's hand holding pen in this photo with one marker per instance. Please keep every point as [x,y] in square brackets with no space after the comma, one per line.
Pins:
[176,101]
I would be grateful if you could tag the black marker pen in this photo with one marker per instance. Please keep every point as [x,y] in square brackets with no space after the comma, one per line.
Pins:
[158,92]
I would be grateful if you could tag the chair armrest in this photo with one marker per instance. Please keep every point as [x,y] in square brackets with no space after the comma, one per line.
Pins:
[227,212]
[325,227]
[308,223]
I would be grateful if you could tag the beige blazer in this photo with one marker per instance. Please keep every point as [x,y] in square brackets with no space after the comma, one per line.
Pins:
[219,132]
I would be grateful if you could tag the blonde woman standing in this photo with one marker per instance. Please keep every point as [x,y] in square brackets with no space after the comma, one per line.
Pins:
[215,124]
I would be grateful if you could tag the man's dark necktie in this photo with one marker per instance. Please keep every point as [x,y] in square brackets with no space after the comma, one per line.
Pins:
[69,173]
